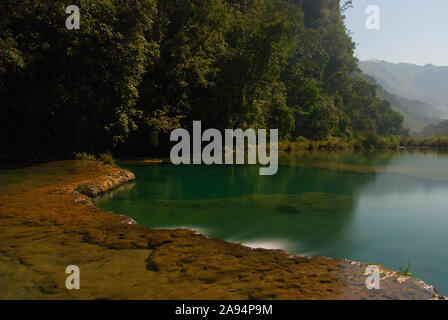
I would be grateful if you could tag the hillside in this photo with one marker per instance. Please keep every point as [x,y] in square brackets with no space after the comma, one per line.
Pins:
[416,114]
[435,130]
[135,71]
[427,83]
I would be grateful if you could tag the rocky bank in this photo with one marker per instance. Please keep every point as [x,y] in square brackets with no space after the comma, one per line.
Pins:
[48,222]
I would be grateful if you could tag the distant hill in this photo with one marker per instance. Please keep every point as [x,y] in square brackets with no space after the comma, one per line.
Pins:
[435,130]
[416,114]
[428,83]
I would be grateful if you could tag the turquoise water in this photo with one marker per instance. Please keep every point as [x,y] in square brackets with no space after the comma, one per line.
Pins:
[387,208]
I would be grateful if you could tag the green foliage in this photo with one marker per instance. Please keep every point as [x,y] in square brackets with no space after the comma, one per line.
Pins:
[136,70]
[84,156]
[108,158]
[66,90]
[431,142]
[301,143]
[367,141]
[406,271]
[84,189]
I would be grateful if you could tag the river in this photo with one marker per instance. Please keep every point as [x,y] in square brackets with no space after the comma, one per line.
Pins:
[388,208]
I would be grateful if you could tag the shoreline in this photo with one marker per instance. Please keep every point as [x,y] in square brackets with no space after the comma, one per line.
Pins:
[47,224]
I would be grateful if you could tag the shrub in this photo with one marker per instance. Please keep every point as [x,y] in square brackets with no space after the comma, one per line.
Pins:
[313,145]
[84,189]
[442,142]
[108,158]
[405,271]
[367,141]
[336,143]
[382,143]
[394,142]
[412,142]
[84,156]
[323,144]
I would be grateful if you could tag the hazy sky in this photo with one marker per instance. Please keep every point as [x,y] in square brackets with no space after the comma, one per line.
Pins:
[414,31]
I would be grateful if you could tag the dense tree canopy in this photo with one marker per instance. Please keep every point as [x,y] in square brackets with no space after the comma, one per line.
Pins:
[137,69]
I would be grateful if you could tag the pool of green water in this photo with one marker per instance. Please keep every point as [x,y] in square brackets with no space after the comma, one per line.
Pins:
[388,208]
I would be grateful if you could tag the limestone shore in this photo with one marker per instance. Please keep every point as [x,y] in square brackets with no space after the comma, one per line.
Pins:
[47,222]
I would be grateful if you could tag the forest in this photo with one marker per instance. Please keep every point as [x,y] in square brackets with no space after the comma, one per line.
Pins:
[138,69]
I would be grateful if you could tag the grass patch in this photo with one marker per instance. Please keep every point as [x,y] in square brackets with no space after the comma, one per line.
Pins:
[84,156]
[106,157]
[84,189]
[405,271]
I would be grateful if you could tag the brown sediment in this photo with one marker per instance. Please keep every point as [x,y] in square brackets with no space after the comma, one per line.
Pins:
[46,225]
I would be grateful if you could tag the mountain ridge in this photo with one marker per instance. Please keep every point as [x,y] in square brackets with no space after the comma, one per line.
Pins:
[428,84]
[416,114]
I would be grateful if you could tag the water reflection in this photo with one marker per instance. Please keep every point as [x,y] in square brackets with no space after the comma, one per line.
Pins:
[124,187]
[384,207]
